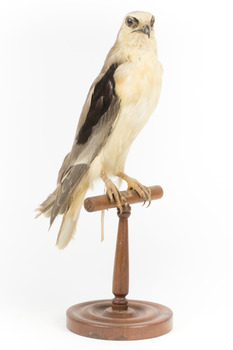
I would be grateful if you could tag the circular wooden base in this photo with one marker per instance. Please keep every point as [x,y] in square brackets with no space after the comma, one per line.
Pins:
[142,320]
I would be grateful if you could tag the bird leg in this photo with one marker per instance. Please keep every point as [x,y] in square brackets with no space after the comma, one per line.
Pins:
[133,184]
[113,192]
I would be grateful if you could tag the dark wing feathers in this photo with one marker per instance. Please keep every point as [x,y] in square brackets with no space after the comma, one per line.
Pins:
[102,113]
[100,102]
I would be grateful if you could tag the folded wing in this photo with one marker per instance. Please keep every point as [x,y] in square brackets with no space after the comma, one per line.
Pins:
[96,123]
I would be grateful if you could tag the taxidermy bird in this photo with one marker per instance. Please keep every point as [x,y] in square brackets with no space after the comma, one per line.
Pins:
[118,105]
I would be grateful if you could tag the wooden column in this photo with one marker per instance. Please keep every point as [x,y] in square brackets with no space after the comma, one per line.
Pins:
[120,286]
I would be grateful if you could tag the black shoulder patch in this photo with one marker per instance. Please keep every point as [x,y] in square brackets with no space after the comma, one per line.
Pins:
[100,103]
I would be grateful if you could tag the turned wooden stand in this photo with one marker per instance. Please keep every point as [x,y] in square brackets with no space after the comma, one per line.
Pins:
[119,318]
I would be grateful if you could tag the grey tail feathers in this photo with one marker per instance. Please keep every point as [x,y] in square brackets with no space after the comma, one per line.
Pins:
[67,186]
[46,207]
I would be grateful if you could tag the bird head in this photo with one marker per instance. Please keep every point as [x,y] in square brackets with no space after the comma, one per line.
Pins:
[137,26]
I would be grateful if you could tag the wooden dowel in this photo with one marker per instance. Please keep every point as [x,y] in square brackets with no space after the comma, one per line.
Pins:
[102,202]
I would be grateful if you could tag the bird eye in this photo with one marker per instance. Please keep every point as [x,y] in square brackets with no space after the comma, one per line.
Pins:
[129,21]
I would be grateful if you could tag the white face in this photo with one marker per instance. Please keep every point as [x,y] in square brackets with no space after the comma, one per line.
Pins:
[138,23]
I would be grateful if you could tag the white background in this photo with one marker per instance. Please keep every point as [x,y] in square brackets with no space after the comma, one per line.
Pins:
[181,248]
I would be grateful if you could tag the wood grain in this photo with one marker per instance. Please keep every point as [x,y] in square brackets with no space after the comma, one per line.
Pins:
[97,319]
[102,202]
[120,285]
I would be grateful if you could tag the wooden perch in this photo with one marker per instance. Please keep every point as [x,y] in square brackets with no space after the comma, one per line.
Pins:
[120,318]
[102,202]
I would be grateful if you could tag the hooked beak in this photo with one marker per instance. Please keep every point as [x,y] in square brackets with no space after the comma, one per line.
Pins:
[145,30]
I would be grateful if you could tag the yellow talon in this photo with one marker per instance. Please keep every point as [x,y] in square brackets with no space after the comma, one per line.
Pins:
[113,193]
[142,190]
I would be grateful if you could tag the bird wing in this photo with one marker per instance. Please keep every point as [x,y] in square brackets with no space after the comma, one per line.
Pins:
[96,122]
